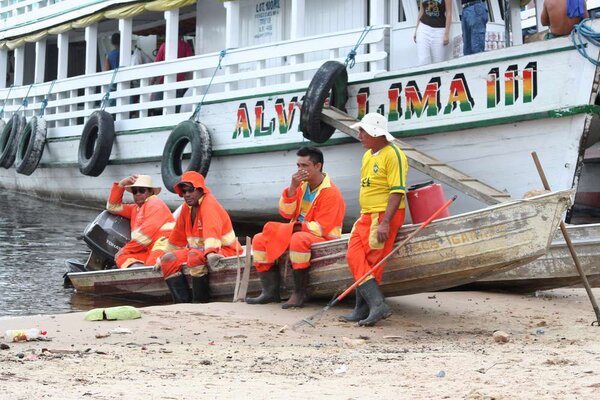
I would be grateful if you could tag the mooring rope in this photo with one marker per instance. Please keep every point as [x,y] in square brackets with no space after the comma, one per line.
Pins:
[45,101]
[106,97]
[196,113]
[582,31]
[25,101]
[350,58]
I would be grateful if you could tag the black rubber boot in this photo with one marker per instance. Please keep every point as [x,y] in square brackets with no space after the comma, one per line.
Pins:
[299,294]
[179,288]
[270,281]
[374,298]
[200,289]
[361,310]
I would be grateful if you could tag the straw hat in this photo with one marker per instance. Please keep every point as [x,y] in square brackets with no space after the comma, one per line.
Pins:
[375,125]
[144,181]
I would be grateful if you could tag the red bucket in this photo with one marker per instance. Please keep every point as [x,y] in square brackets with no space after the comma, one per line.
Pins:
[424,199]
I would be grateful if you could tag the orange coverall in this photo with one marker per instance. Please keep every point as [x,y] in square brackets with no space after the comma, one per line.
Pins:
[323,221]
[151,225]
[210,232]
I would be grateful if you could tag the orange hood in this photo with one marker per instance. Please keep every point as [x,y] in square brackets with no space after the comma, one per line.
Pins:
[193,178]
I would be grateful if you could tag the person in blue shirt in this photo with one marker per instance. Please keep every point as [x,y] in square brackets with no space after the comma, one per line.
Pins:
[112,58]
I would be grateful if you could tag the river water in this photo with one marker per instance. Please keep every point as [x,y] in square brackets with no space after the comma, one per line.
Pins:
[36,236]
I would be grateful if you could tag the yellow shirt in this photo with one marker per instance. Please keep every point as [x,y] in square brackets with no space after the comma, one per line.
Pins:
[381,174]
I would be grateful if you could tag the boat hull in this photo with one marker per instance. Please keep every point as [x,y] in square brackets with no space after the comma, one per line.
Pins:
[451,251]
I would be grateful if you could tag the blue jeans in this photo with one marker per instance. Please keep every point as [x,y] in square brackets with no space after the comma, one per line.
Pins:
[474,18]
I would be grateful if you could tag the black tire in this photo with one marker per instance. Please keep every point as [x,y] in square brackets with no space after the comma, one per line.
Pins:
[330,77]
[185,132]
[8,140]
[96,143]
[30,148]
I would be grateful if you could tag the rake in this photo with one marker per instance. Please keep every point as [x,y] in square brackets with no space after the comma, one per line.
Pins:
[314,319]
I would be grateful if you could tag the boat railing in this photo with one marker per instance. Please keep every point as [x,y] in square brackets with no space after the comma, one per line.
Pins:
[285,66]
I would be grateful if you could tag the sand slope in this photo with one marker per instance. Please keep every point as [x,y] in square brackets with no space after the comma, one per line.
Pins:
[226,351]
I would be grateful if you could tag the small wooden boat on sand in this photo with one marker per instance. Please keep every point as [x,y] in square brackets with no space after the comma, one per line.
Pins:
[554,269]
[449,252]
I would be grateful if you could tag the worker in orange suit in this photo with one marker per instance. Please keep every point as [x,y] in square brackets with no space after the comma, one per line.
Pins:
[151,220]
[315,207]
[202,236]
[382,206]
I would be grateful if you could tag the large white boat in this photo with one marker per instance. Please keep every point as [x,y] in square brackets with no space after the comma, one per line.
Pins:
[483,114]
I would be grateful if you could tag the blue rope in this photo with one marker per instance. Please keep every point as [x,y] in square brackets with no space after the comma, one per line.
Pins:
[350,58]
[582,31]
[106,97]
[25,101]
[196,114]
[45,101]
[5,100]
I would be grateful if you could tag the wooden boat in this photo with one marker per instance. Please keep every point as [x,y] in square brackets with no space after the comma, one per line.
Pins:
[554,269]
[449,252]
[475,112]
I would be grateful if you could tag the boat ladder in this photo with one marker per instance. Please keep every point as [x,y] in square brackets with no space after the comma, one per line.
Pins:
[424,163]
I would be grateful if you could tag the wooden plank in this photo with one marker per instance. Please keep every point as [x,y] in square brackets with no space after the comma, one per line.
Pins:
[422,162]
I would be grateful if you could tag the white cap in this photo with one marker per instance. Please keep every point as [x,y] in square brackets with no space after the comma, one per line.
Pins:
[375,125]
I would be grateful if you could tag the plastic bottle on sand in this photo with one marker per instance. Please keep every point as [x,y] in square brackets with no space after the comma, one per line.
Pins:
[22,335]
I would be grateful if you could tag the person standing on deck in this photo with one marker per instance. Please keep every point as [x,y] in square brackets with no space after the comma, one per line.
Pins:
[202,236]
[316,208]
[382,206]
[473,22]
[432,30]
[112,57]
[562,15]
[151,220]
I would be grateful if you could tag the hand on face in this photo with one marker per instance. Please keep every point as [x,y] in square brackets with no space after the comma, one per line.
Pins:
[300,176]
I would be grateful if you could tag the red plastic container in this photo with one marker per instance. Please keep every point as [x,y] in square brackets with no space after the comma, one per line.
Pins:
[424,199]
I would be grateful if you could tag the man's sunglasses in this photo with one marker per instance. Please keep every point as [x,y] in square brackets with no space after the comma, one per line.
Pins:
[187,189]
[136,190]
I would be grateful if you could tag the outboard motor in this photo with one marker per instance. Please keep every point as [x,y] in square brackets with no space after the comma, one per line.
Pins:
[105,236]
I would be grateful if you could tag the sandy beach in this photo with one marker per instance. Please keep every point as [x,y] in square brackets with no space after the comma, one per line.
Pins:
[436,345]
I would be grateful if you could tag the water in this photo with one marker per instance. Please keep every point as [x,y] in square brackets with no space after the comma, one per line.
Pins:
[36,236]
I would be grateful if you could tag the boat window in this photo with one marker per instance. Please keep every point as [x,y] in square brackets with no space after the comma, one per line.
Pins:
[501,5]
[401,12]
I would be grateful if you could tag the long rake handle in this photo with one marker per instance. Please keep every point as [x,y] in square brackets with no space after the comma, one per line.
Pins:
[394,251]
[570,246]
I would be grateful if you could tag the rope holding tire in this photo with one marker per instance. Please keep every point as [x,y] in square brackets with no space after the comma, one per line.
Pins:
[330,81]
[96,143]
[30,147]
[197,136]
[8,140]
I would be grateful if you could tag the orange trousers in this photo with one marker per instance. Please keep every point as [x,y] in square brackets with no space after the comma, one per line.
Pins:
[364,251]
[125,257]
[300,243]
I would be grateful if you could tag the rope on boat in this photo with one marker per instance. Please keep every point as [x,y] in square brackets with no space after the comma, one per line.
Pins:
[350,58]
[582,31]
[196,114]
[106,97]
[25,101]
[6,99]
[45,101]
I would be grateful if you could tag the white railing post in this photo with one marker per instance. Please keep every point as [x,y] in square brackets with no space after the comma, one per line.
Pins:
[232,36]
[40,61]
[297,32]
[19,65]
[3,67]
[376,17]
[515,15]
[125,28]
[63,55]
[171,47]
[91,58]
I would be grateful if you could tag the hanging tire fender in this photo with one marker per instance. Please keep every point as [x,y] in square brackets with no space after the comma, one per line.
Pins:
[8,140]
[30,147]
[197,136]
[331,77]
[96,143]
